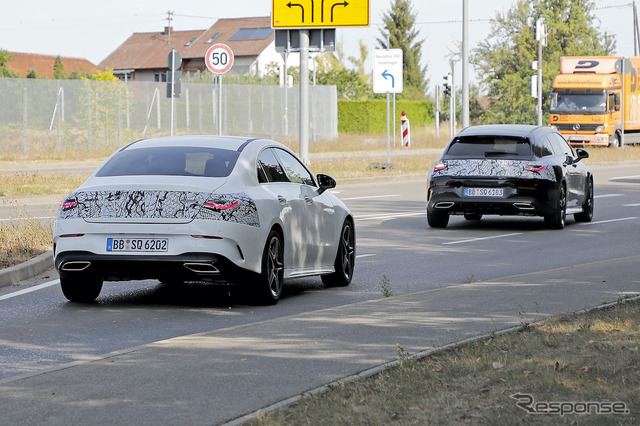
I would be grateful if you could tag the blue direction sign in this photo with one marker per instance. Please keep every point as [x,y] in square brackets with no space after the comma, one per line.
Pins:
[387,71]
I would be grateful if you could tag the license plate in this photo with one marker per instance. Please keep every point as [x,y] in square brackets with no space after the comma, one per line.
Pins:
[138,244]
[483,192]
[576,138]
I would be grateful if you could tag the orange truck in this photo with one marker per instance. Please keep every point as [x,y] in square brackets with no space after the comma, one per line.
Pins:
[589,98]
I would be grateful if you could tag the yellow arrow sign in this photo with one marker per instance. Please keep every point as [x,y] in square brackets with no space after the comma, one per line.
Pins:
[319,13]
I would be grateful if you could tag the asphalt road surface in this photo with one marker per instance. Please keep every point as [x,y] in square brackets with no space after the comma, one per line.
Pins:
[149,353]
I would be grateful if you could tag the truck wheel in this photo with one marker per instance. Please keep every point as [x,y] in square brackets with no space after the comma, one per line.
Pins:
[615,140]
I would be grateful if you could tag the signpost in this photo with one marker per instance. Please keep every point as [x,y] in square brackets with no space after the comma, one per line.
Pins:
[319,13]
[388,77]
[304,15]
[219,59]
[174,61]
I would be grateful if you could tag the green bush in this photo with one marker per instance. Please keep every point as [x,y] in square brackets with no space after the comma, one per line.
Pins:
[370,116]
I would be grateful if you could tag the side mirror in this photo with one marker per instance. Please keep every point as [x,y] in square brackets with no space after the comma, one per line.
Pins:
[582,154]
[325,182]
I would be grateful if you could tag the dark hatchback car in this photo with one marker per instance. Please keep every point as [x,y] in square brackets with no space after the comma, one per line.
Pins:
[510,170]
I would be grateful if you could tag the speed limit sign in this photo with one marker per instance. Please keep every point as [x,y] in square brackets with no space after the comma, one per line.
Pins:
[219,58]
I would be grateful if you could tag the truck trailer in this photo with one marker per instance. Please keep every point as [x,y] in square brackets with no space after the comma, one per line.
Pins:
[589,98]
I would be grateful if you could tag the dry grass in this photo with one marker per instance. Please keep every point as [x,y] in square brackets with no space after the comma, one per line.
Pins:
[23,240]
[35,183]
[590,357]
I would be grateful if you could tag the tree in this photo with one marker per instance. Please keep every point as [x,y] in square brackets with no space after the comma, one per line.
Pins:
[58,69]
[361,62]
[504,58]
[6,57]
[399,33]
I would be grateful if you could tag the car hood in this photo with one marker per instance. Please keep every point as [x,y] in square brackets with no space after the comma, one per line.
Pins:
[499,168]
[140,199]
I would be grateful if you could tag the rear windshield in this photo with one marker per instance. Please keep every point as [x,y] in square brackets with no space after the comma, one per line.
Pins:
[171,161]
[489,147]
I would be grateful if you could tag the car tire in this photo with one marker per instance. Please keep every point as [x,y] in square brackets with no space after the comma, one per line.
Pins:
[557,219]
[615,140]
[271,279]
[437,219]
[80,287]
[473,216]
[345,258]
[587,207]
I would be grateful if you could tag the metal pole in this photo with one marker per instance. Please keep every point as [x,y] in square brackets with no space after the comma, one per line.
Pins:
[394,120]
[220,105]
[465,63]
[304,96]
[24,117]
[540,82]
[437,110]
[388,130]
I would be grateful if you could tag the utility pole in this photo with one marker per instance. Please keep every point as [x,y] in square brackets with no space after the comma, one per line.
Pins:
[465,63]
[452,100]
[541,37]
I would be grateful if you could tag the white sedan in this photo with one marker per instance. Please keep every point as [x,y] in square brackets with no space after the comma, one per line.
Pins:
[203,208]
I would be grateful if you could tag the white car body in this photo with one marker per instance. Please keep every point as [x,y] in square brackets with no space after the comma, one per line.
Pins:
[139,225]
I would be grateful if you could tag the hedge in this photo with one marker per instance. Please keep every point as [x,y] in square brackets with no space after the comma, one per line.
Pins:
[370,116]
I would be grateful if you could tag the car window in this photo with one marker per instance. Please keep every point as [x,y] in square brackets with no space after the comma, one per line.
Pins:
[269,169]
[489,147]
[295,170]
[563,145]
[171,161]
[543,148]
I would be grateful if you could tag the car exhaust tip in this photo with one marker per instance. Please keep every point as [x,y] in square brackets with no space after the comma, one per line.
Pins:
[75,266]
[202,268]
[524,206]
[444,205]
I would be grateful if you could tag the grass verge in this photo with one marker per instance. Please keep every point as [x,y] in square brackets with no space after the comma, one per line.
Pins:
[559,365]
[23,240]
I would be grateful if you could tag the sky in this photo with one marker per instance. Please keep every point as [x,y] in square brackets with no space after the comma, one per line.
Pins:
[93,30]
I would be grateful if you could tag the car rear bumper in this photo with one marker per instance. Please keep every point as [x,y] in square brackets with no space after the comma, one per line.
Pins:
[207,267]
[532,201]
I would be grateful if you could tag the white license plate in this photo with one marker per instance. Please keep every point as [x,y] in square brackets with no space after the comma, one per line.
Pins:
[138,244]
[483,192]
[576,138]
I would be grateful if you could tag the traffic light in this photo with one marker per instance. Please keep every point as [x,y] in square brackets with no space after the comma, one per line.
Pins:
[447,84]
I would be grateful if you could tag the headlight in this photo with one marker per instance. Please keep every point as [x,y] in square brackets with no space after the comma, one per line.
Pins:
[599,128]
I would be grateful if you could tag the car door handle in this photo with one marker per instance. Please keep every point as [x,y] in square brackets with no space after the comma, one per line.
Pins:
[308,200]
[282,200]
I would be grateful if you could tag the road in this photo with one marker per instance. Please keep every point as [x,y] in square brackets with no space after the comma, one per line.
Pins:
[201,355]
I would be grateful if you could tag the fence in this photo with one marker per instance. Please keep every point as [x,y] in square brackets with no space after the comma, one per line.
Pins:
[48,115]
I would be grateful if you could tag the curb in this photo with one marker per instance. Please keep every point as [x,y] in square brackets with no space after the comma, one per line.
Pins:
[26,270]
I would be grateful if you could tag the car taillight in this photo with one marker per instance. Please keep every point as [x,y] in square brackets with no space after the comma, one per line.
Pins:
[69,203]
[215,204]
[534,167]
[439,166]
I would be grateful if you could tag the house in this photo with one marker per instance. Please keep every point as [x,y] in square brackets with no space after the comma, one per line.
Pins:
[144,56]
[23,63]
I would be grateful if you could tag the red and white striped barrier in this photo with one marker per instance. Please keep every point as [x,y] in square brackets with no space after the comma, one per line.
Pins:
[405,128]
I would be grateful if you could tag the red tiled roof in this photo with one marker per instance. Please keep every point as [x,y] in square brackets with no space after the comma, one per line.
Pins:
[150,50]
[43,64]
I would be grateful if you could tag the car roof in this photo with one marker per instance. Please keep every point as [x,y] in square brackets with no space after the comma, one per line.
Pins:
[235,143]
[520,130]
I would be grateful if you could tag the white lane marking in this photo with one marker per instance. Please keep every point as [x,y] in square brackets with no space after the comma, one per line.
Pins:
[483,238]
[388,216]
[367,197]
[29,290]
[364,255]
[608,221]
[625,177]
[607,195]
[631,205]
